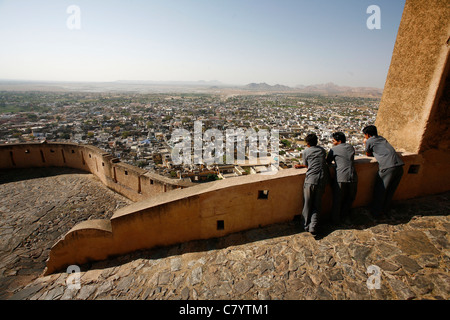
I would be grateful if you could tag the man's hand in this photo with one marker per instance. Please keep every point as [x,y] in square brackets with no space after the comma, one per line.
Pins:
[299,166]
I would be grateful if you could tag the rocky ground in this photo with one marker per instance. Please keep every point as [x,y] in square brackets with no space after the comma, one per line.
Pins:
[37,207]
[405,257]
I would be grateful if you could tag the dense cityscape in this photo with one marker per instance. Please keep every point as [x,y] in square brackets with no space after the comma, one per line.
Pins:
[137,127]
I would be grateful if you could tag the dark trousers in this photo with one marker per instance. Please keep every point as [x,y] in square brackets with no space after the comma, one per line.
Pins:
[312,204]
[344,193]
[387,181]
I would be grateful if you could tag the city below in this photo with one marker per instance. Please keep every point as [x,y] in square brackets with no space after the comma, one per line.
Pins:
[136,126]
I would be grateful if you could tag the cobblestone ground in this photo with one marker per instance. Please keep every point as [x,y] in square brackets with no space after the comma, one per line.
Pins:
[37,207]
[405,257]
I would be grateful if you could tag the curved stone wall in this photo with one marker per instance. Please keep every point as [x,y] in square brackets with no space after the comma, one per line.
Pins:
[202,211]
[132,182]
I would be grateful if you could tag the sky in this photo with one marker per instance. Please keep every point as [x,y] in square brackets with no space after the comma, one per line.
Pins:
[288,42]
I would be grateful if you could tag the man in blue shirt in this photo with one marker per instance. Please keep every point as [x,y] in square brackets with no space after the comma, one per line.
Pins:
[390,170]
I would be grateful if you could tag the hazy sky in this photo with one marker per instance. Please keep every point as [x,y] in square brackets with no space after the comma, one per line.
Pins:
[288,42]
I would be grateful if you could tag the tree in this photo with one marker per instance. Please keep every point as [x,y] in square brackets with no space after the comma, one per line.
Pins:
[141,164]
[286,143]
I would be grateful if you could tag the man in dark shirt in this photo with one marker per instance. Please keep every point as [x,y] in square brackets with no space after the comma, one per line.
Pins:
[390,170]
[346,179]
[317,176]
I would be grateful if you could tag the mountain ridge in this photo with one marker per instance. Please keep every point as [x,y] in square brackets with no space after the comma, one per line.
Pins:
[328,88]
[325,88]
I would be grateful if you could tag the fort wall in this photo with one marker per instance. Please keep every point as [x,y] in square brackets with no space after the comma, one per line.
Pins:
[167,214]
[161,218]
[219,208]
[132,182]
[202,211]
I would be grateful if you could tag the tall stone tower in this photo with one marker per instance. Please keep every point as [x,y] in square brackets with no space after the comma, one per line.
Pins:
[414,113]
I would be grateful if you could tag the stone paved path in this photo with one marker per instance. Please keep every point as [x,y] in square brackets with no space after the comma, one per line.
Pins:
[410,255]
[37,207]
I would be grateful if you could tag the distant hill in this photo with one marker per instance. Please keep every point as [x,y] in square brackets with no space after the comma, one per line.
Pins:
[266,87]
[188,86]
[334,89]
[322,89]
[174,83]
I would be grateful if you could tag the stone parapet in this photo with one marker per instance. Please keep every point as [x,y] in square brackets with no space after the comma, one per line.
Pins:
[132,182]
[203,211]
[223,207]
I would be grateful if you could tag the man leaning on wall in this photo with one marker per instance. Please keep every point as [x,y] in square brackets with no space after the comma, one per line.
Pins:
[390,171]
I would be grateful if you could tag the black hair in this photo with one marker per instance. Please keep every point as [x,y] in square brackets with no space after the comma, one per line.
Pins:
[311,139]
[371,131]
[339,136]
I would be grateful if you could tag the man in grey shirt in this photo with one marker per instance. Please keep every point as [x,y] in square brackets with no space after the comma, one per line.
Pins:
[346,179]
[390,170]
[317,177]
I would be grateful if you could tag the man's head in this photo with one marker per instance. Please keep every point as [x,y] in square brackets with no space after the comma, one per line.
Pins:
[370,131]
[338,138]
[311,140]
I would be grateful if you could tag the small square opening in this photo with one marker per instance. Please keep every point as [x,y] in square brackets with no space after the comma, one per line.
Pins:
[220,225]
[263,194]
[414,169]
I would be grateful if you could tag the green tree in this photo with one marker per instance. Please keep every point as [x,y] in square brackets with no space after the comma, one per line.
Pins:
[286,143]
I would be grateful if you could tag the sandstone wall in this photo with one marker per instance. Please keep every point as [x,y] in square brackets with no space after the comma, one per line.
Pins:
[132,182]
[219,208]
[414,110]
[214,209]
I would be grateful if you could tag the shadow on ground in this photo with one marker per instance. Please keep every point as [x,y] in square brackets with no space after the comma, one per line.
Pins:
[18,174]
